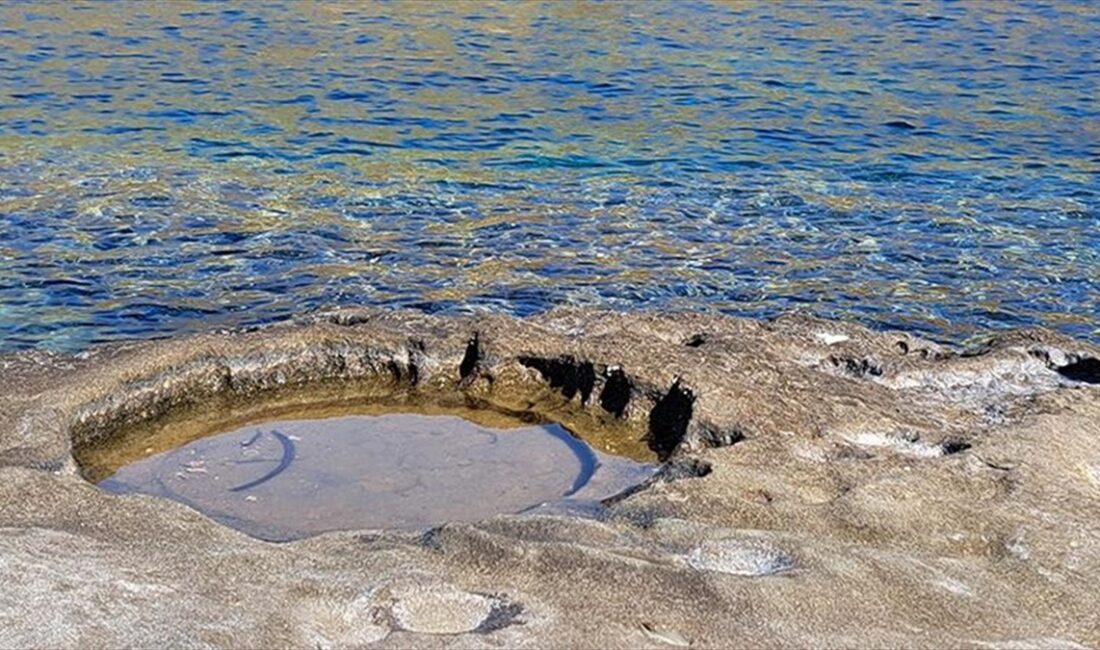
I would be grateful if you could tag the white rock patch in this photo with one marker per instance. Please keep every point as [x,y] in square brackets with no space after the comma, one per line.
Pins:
[894,442]
[740,558]
[829,338]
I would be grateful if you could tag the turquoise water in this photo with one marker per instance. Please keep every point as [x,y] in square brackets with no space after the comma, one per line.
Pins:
[173,167]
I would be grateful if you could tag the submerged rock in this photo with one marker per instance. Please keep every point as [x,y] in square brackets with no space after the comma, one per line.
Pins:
[902,493]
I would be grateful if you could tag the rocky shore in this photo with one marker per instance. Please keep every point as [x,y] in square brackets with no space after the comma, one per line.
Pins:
[824,485]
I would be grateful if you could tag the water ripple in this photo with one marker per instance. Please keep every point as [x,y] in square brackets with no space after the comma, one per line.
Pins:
[180,166]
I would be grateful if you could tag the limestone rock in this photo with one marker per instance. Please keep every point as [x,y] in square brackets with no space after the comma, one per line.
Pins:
[825,486]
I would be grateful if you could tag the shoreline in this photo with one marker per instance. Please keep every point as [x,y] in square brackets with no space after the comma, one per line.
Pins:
[823,482]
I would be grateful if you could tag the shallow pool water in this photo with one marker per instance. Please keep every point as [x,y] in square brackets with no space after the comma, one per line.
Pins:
[176,166]
[287,479]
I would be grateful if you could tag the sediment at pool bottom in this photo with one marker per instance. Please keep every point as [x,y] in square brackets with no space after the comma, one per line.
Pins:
[294,477]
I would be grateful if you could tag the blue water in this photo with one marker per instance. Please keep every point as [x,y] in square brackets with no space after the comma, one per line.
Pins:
[174,167]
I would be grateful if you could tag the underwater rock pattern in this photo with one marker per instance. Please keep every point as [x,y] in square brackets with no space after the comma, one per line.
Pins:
[824,485]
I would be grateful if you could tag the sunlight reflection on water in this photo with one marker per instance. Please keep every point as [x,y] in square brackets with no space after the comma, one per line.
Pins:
[174,166]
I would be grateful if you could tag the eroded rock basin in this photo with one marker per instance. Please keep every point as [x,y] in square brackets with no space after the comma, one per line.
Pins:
[821,485]
[292,478]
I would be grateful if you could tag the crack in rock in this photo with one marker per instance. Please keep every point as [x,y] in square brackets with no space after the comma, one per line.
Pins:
[669,419]
[616,392]
[504,613]
[859,368]
[1085,369]
[471,359]
[696,340]
[565,374]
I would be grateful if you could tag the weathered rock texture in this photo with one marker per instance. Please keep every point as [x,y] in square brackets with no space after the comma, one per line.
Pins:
[826,486]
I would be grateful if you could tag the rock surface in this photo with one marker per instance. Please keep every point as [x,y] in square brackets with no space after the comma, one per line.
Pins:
[826,486]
